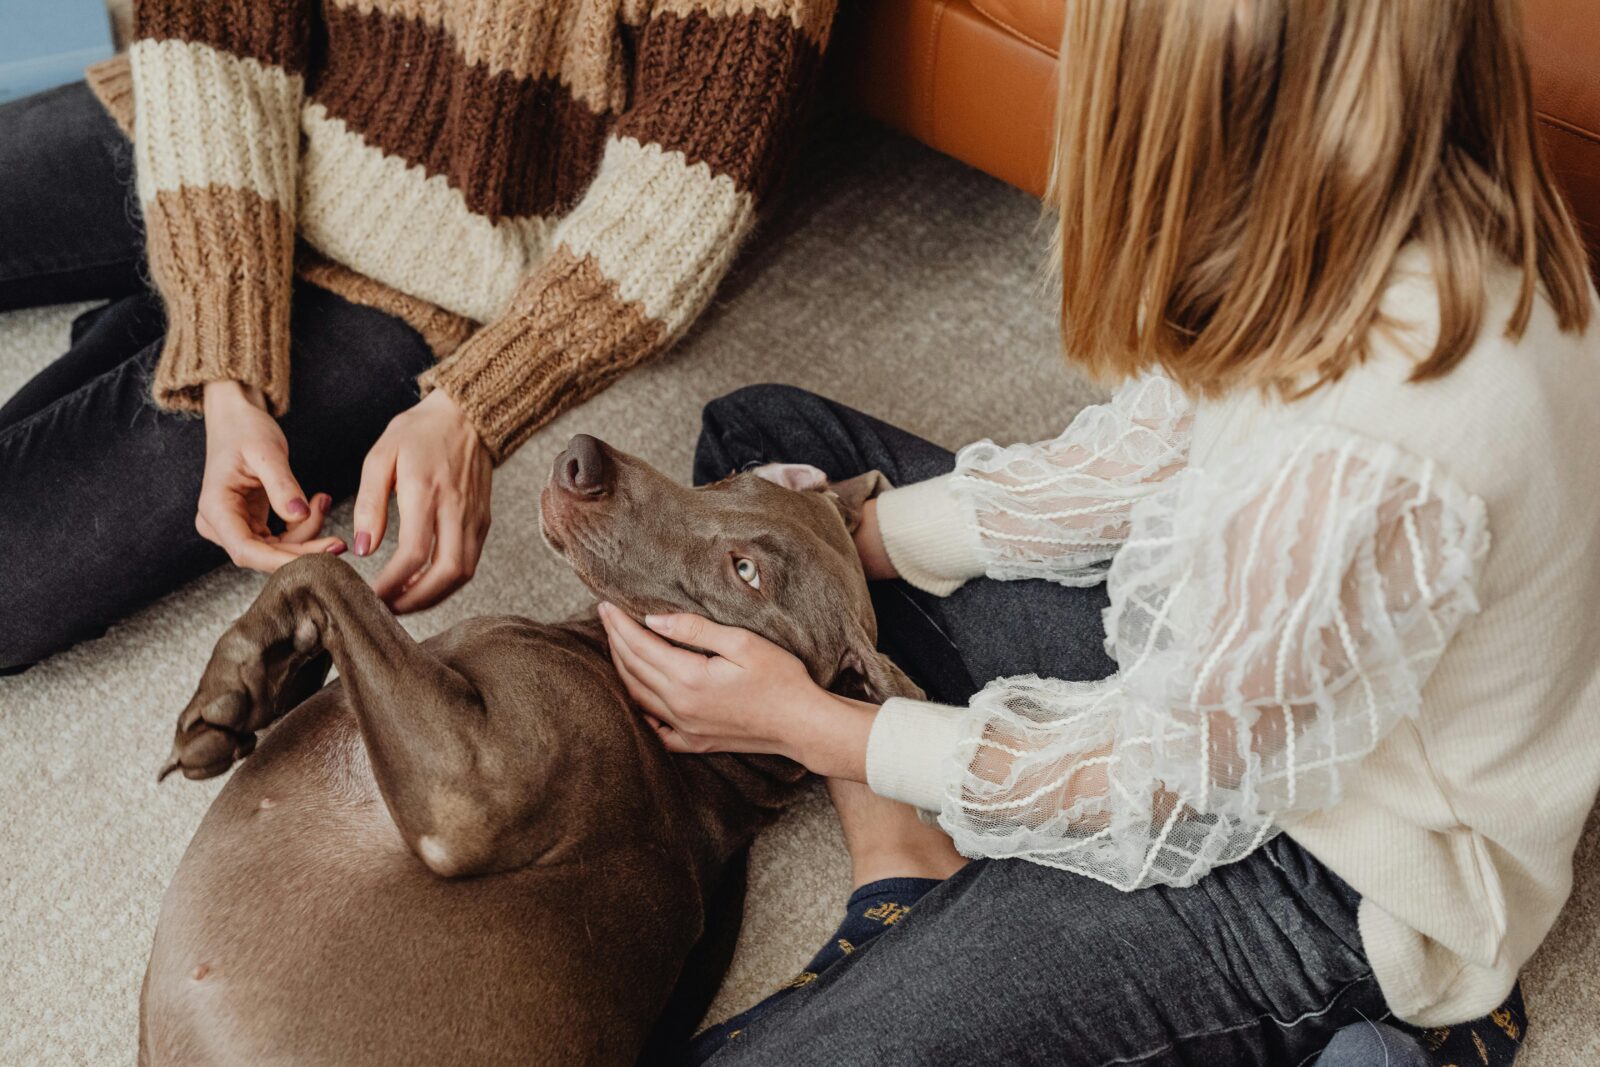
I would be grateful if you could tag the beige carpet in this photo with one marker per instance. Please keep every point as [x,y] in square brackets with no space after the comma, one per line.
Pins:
[895,278]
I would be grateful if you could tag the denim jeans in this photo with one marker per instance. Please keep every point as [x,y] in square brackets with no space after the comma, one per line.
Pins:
[1009,962]
[97,487]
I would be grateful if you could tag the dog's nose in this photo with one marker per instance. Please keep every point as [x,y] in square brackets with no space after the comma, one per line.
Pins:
[582,467]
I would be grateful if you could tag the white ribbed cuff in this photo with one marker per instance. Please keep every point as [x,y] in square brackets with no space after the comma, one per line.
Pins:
[926,537]
[909,749]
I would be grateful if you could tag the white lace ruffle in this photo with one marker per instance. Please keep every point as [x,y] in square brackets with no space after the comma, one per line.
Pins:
[1059,510]
[1272,618]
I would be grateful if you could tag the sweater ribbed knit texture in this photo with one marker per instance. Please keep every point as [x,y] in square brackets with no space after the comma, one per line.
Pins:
[548,190]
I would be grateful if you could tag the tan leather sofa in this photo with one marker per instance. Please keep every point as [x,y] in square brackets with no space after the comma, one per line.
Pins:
[974,79]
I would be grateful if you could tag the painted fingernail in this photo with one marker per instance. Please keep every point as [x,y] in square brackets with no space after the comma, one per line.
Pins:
[324,501]
[335,549]
[363,543]
[298,509]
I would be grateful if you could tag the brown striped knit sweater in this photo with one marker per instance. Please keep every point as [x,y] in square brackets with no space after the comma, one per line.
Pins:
[549,190]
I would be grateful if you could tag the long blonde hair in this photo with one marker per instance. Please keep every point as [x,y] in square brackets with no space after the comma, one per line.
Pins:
[1234,179]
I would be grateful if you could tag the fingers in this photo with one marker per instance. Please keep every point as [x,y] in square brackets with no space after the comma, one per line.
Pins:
[643,694]
[298,533]
[232,531]
[417,523]
[672,740]
[680,665]
[372,499]
[334,546]
[449,569]
[729,642]
[271,468]
[655,673]
[675,741]
[649,677]
[223,520]
[652,708]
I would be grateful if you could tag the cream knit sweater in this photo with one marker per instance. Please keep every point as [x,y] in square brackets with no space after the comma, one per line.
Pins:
[1364,619]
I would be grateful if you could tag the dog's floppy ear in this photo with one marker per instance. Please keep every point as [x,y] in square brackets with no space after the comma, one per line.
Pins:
[853,493]
[867,674]
[848,495]
[800,477]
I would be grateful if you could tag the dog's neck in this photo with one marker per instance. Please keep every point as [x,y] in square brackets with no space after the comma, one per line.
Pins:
[738,794]
[734,794]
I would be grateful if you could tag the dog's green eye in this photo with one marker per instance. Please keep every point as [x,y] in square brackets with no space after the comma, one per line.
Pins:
[747,570]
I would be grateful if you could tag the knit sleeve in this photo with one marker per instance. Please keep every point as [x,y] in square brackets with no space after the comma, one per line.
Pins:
[217,86]
[717,90]
[1272,620]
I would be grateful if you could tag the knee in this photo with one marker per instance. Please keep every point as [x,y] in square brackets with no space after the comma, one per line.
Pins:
[33,635]
[758,402]
[66,115]
[753,412]
[736,429]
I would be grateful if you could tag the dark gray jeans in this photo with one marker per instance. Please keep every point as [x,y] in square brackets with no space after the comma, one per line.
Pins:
[1009,962]
[98,488]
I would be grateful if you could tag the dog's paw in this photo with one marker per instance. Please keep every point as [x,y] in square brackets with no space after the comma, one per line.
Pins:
[212,734]
[256,674]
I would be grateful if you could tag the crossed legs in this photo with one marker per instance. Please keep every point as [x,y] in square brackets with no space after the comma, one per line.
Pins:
[97,486]
[1012,962]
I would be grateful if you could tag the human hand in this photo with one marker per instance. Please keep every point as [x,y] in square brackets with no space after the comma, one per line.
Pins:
[749,695]
[875,561]
[437,467]
[247,477]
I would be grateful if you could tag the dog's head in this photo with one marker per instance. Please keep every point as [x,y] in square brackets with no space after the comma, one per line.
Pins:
[769,550]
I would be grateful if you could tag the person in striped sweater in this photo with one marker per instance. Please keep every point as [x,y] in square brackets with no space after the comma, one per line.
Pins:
[507,202]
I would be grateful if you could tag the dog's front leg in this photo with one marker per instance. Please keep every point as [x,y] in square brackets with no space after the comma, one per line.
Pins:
[422,721]
[459,780]
[312,613]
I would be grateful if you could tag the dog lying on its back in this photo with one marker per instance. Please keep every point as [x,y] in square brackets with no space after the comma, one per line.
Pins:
[472,850]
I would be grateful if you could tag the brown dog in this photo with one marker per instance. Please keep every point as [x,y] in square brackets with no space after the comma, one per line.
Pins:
[472,850]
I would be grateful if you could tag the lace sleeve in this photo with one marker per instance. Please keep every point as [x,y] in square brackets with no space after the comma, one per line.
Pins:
[1059,510]
[1271,622]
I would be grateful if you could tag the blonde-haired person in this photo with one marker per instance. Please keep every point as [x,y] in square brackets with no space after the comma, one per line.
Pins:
[1341,524]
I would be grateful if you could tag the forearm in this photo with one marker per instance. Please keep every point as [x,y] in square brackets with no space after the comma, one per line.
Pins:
[219,397]
[217,91]
[1056,510]
[716,95]
[875,561]
[632,267]
[568,334]
[830,736]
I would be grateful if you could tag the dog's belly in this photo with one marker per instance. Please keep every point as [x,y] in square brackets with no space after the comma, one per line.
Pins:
[300,929]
